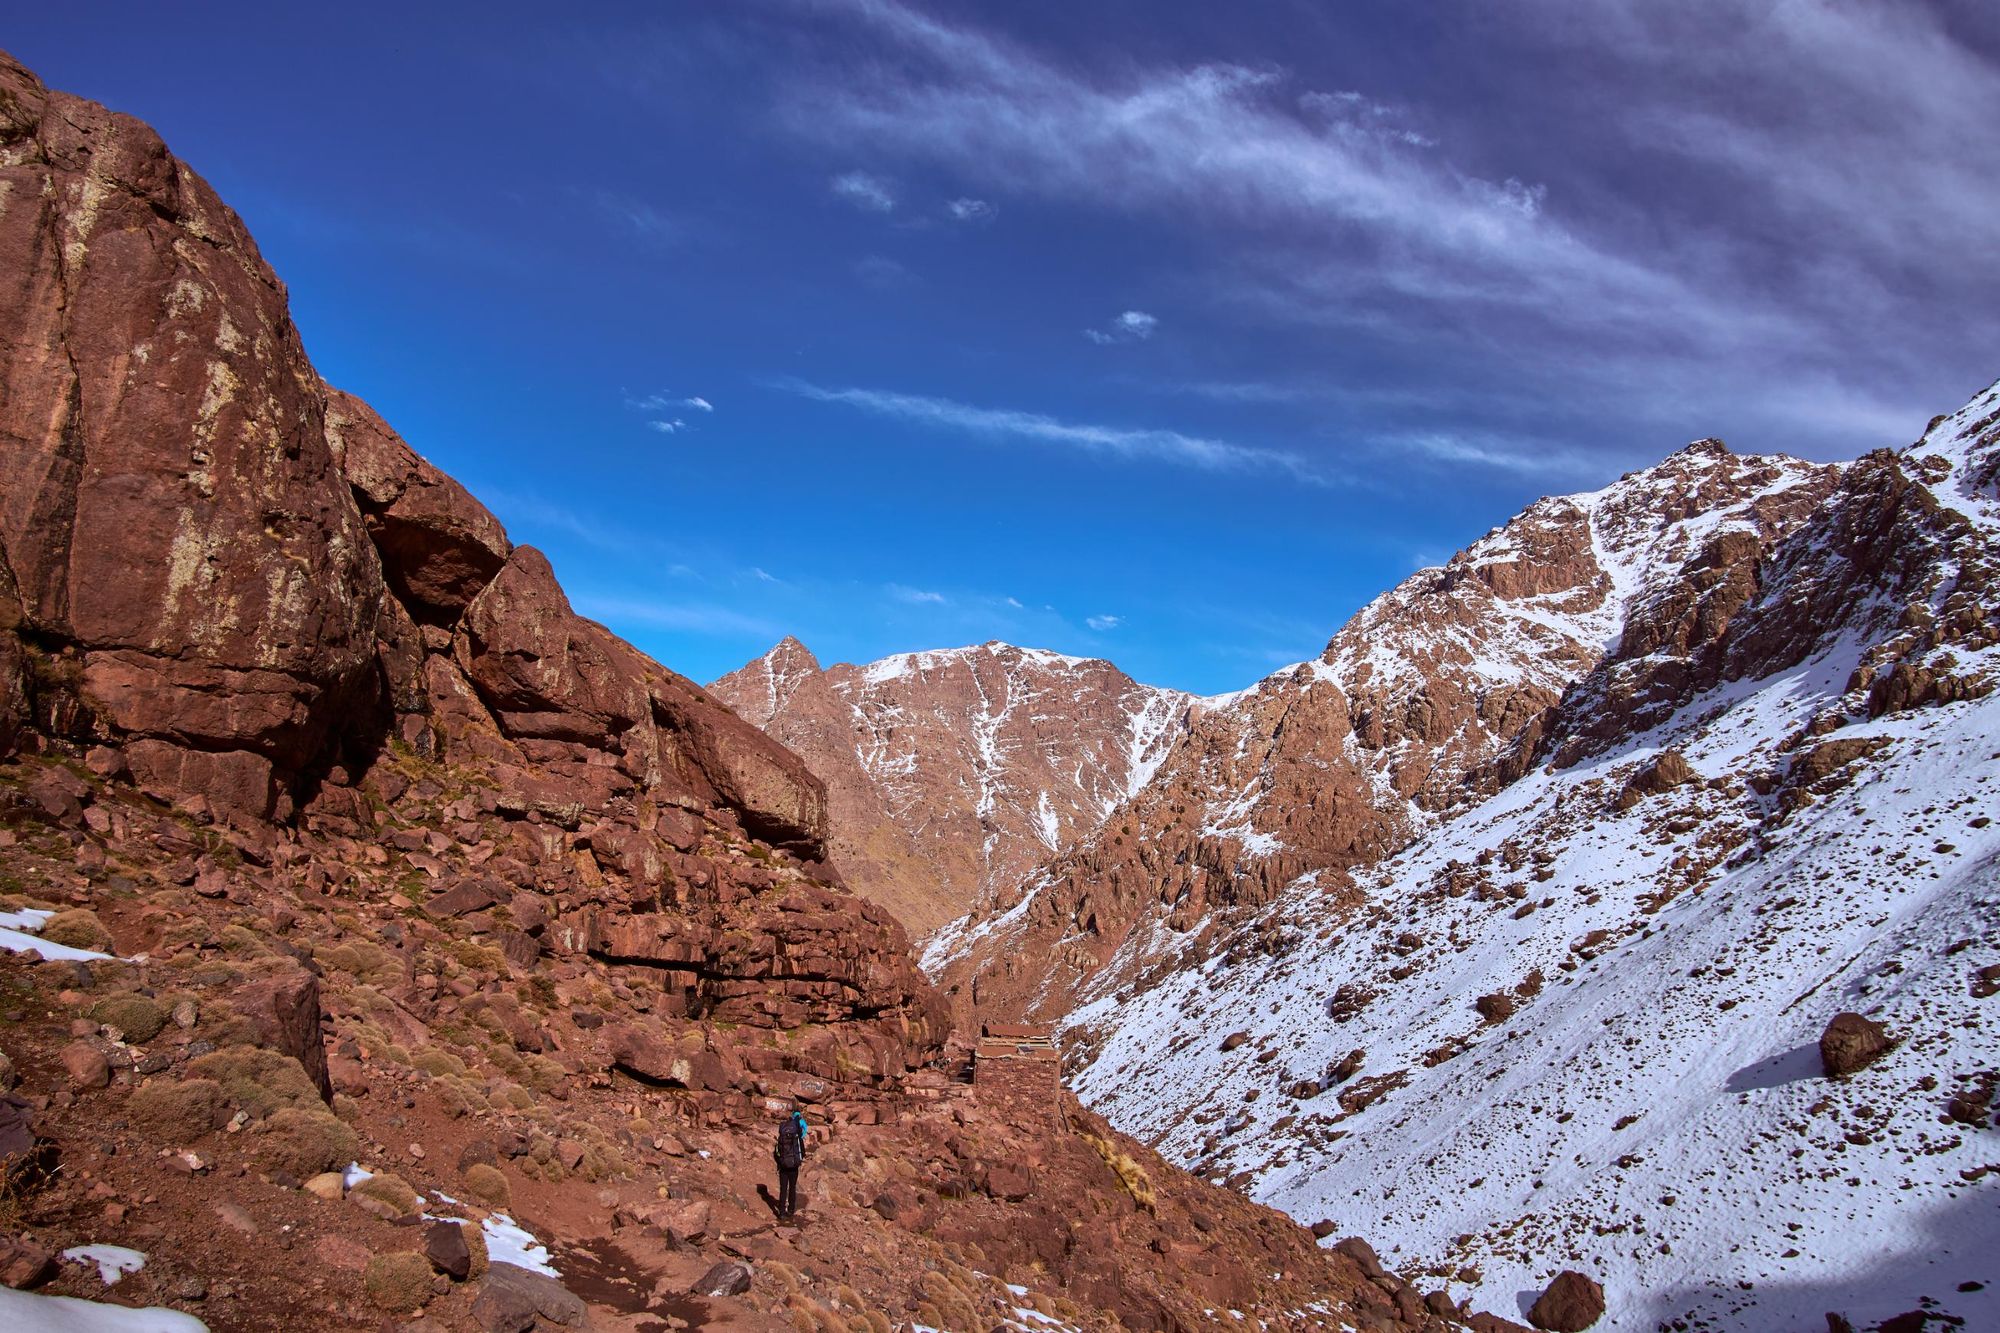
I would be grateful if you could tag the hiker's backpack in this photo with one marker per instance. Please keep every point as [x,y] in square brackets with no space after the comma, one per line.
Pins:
[791,1143]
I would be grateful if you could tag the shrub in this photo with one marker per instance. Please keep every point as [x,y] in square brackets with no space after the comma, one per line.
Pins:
[305,1143]
[179,1112]
[475,1241]
[134,1016]
[1130,1173]
[488,1185]
[258,1080]
[391,1192]
[438,1063]
[79,928]
[399,1282]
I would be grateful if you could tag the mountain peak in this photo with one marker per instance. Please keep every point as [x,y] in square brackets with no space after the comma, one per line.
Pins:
[1706,447]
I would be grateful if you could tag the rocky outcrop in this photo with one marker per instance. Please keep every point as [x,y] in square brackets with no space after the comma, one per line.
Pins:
[438,546]
[240,590]
[952,773]
[187,560]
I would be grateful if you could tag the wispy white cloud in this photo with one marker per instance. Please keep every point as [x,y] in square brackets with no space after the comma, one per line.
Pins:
[666,402]
[1528,458]
[1836,160]
[970,210]
[916,596]
[636,216]
[1349,108]
[1221,141]
[1102,623]
[869,193]
[1165,446]
[1131,326]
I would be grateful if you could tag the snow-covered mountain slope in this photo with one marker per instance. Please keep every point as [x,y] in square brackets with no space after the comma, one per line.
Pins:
[1431,697]
[1576,1024]
[952,773]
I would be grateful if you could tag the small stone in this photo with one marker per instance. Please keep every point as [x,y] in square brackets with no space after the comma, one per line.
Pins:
[185,1014]
[326,1185]
[236,1219]
[24,1264]
[417,1151]
[86,1065]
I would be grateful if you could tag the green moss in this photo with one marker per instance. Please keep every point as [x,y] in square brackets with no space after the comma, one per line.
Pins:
[439,1063]
[389,1189]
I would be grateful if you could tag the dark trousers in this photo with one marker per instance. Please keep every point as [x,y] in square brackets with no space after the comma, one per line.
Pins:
[788,1190]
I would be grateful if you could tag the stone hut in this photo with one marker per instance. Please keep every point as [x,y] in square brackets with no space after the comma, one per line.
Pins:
[1017,1062]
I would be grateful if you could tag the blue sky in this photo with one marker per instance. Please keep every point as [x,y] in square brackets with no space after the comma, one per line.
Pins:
[1169,333]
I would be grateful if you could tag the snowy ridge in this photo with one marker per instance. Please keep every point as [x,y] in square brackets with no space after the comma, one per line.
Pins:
[1575,1024]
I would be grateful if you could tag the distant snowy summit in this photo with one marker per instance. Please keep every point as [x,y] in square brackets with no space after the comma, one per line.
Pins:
[952,773]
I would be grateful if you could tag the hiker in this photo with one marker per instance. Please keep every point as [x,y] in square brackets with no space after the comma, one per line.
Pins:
[791,1150]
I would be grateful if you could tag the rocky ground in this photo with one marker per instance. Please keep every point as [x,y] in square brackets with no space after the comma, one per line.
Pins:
[173,1115]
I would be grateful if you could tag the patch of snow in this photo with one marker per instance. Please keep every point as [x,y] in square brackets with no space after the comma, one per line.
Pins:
[16,936]
[354,1175]
[507,1242]
[27,1310]
[1046,826]
[113,1261]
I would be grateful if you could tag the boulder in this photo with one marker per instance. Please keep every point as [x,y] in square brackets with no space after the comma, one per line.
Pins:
[24,1264]
[1363,1255]
[1851,1042]
[511,1298]
[1569,1304]
[283,1010]
[723,1279]
[439,547]
[445,1247]
[328,1185]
